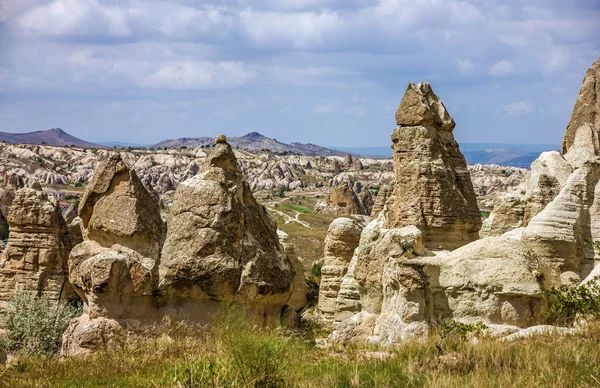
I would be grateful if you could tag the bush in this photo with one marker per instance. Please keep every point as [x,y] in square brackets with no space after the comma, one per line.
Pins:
[4,229]
[568,303]
[34,325]
[453,333]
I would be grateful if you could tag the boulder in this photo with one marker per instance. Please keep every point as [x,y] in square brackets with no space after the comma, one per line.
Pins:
[433,189]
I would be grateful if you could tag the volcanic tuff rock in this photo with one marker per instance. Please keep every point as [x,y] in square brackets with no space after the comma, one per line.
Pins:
[35,258]
[342,239]
[222,245]
[343,200]
[548,174]
[433,188]
[587,106]
[397,286]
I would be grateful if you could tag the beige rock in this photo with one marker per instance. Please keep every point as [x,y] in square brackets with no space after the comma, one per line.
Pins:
[222,245]
[548,174]
[35,258]
[382,196]
[297,300]
[341,241]
[433,189]
[85,335]
[557,233]
[343,201]
[117,209]
[491,280]
[587,106]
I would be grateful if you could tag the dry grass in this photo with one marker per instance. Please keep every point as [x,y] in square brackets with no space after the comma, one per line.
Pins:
[236,354]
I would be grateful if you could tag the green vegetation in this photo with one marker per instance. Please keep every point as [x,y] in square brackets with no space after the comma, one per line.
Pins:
[4,229]
[298,208]
[569,303]
[484,213]
[34,325]
[234,353]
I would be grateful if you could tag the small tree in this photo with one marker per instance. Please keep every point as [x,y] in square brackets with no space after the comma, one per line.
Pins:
[34,325]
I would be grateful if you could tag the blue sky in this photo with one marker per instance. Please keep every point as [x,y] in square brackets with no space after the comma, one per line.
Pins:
[329,72]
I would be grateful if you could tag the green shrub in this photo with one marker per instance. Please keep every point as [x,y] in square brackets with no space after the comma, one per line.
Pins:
[454,333]
[4,229]
[34,325]
[568,303]
[316,269]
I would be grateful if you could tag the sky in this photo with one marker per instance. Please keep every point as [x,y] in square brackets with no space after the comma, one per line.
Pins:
[329,72]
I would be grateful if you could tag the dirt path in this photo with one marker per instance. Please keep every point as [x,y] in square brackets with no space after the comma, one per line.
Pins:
[289,218]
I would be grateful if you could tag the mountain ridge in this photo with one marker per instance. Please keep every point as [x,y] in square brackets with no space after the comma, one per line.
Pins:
[253,141]
[53,137]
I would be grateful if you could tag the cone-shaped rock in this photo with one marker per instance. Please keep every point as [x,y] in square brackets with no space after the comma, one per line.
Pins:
[587,106]
[433,188]
[221,244]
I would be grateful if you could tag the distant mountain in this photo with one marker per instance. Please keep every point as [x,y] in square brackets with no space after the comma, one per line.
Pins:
[514,155]
[53,137]
[122,144]
[253,141]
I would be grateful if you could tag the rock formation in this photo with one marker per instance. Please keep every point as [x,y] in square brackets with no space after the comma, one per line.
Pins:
[341,241]
[220,246]
[343,200]
[396,288]
[548,174]
[35,258]
[433,190]
[587,106]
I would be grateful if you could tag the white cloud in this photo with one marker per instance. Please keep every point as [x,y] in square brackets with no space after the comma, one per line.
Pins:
[518,108]
[76,17]
[465,66]
[501,68]
[300,29]
[199,75]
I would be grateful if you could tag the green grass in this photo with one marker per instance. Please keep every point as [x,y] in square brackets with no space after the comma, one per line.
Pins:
[298,208]
[484,214]
[236,354]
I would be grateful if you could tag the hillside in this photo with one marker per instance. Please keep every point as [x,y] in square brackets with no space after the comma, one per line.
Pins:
[253,141]
[53,137]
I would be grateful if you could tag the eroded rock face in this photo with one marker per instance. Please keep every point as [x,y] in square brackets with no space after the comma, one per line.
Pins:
[343,200]
[35,258]
[587,106]
[433,189]
[117,209]
[548,174]
[342,239]
[222,245]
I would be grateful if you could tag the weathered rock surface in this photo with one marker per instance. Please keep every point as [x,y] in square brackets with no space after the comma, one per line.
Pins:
[222,245]
[343,200]
[35,258]
[433,189]
[342,239]
[548,174]
[587,106]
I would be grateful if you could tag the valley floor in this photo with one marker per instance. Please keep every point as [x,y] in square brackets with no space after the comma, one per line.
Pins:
[237,355]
